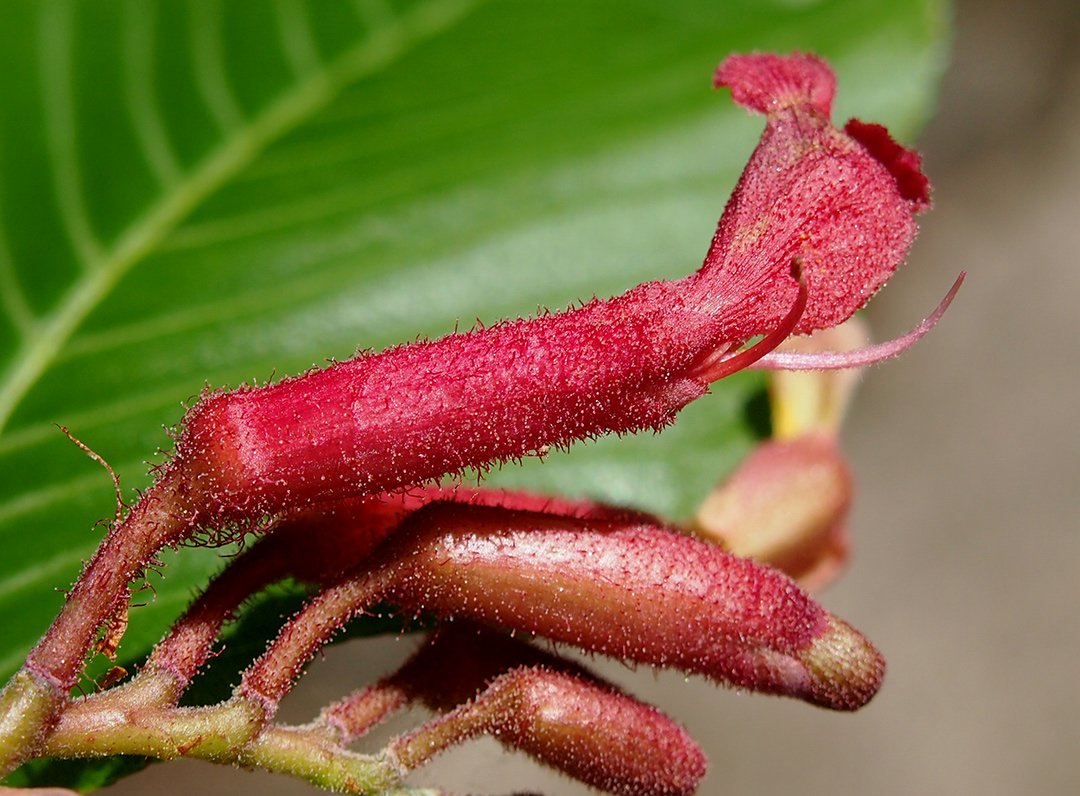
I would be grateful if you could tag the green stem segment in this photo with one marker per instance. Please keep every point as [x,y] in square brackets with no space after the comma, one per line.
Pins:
[303,752]
[32,702]
[29,707]
[234,732]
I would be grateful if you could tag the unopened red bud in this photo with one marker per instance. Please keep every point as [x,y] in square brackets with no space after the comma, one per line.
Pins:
[785,506]
[548,708]
[632,591]
[598,736]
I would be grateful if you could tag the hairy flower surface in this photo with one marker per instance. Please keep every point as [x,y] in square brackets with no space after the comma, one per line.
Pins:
[812,192]
[340,470]
[812,200]
[635,592]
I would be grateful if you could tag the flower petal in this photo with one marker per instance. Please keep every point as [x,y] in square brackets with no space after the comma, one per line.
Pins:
[765,82]
[904,164]
[810,192]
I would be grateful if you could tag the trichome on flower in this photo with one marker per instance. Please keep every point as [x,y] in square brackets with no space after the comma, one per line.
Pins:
[345,463]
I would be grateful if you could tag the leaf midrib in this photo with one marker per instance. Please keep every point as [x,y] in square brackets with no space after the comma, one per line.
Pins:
[311,92]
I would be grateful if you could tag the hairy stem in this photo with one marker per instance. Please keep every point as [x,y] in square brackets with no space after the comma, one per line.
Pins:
[161,517]
[353,716]
[233,732]
[217,733]
[31,703]
[188,644]
[29,706]
[269,678]
[302,752]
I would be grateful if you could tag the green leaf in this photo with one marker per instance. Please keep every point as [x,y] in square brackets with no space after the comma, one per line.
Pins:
[84,776]
[213,192]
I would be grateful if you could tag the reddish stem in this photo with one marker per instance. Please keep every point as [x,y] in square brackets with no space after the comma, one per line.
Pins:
[268,679]
[188,644]
[362,710]
[316,545]
[160,518]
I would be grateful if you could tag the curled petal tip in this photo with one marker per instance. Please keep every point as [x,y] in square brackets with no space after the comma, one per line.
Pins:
[905,165]
[845,670]
[766,82]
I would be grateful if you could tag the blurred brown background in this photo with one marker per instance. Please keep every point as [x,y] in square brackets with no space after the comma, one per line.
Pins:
[967,451]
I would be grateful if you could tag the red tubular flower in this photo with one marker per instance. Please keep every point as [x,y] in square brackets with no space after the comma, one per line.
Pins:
[813,202]
[633,591]
[811,195]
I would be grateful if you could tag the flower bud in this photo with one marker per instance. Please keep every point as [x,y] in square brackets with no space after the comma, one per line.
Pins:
[550,709]
[596,735]
[633,591]
[785,506]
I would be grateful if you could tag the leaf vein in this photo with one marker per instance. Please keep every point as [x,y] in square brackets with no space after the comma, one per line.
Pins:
[139,36]
[300,101]
[39,498]
[55,61]
[375,14]
[15,304]
[42,430]
[209,60]
[43,571]
[297,40]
